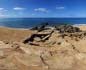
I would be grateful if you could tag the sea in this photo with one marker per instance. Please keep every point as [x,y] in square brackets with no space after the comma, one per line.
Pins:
[32,22]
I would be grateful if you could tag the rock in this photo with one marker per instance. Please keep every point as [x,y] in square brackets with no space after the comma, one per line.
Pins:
[6,42]
[2,43]
[15,46]
[67,28]
[64,30]
[38,37]
[35,28]
[31,39]
[41,27]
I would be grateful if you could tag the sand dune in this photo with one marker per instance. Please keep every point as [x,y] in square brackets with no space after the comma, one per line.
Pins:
[54,54]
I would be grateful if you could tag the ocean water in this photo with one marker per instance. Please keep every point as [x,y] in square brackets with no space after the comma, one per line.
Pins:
[31,22]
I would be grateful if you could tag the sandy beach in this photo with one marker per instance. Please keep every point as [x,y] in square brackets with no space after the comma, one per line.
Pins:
[56,53]
[13,34]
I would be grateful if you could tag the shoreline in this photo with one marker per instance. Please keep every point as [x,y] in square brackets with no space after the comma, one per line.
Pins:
[81,26]
[21,28]
[14,28]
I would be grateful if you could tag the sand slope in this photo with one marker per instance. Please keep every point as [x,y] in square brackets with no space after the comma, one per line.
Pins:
[54,54]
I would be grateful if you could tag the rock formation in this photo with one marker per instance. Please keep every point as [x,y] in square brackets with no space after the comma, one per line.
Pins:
[63,30]
[67,29]
[41,27]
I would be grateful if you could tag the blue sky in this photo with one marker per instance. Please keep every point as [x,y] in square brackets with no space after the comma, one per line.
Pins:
[42,8]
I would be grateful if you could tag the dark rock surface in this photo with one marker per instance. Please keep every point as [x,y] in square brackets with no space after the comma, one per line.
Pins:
[41,27]
[67,29]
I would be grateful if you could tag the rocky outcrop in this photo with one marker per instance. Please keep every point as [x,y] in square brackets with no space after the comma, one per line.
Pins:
[40,27]
[67,29]
[38,38]
[63,30]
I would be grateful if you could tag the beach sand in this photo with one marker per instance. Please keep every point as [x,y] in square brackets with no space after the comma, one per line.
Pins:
[13,34]
[82,27]
[55,54]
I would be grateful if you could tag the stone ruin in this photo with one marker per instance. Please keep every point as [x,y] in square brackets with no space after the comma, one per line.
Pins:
[44,32]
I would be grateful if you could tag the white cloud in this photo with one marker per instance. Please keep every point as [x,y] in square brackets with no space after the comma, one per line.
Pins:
[41,10]
[18,8]
[60,8]
[3,12]
[1,9]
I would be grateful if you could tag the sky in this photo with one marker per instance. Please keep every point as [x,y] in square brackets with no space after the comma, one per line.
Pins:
[42,8]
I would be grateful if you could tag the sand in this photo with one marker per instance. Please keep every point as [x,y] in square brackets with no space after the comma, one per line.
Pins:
[82,27]
[13,34]
[55,54]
